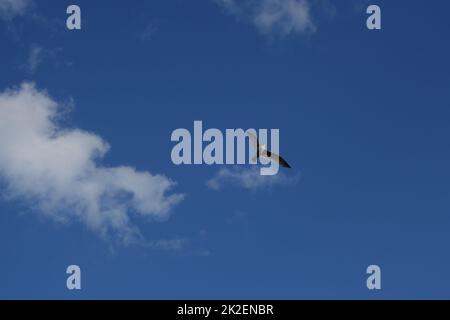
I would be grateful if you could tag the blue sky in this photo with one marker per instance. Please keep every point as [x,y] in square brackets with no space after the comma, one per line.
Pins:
[363,118]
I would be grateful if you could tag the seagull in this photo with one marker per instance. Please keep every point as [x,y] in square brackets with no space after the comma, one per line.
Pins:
[261,151]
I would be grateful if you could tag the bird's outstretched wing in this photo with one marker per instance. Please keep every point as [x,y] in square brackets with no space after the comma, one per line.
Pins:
[253,140]
[277,158]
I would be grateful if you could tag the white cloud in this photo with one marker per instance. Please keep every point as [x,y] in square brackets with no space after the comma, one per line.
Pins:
[12,8]
[280,17]
[250,179]
[57,170]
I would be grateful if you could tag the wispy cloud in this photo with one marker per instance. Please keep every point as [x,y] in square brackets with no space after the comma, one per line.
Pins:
[194,245]
[148,32]
[273,17]
[57,171]
[238,216]
[11,8]
[169,245]
[37,55]
[28,10]
[35,58]
[250,179]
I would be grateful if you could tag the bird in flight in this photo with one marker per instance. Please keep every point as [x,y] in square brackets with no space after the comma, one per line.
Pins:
[261,151]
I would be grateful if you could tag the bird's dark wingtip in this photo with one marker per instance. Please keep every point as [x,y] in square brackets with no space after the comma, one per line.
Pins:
[284,164]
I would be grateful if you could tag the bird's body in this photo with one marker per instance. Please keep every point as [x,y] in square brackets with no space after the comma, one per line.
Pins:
[261,151]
